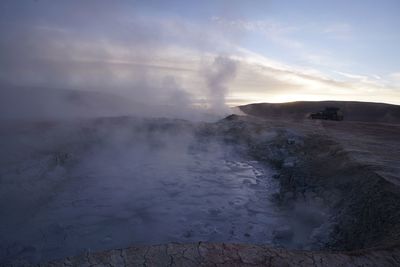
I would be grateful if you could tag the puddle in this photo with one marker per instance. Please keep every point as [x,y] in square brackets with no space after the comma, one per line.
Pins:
[131,192]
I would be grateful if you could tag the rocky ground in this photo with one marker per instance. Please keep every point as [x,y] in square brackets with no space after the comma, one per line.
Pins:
[321,163]
[205,254]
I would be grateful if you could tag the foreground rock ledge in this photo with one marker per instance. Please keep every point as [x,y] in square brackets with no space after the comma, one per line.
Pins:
[210,254]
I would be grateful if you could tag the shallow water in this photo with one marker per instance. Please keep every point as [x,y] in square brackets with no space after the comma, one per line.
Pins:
[129,192]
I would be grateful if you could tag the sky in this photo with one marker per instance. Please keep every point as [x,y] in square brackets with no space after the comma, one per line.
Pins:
[238,51]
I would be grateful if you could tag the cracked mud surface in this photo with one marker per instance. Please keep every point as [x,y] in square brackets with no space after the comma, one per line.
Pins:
[217,254]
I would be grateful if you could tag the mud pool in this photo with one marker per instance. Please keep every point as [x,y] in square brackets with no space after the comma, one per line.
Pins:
[75,197]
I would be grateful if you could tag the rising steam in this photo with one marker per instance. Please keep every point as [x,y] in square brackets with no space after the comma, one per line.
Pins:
[222,72]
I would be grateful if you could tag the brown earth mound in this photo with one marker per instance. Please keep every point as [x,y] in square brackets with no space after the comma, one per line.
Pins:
[352,111]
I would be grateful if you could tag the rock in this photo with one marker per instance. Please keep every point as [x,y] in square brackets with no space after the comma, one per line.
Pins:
[291,141]
[61,158]
[289,162]
[283,233]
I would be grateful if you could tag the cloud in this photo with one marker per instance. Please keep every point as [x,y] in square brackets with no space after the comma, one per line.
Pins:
[285,36]
[372,79]
[339,31]
[274,82]
[270,29]
[395,76]
[162,61]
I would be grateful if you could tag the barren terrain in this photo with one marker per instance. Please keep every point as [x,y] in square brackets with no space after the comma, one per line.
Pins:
[337,198]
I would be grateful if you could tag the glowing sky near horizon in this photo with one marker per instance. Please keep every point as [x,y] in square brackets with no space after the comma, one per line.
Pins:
[285,50]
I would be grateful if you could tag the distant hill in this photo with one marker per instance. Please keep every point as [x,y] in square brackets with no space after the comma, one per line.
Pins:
[352,110]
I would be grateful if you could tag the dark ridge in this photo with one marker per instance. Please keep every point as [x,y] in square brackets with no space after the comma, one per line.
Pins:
[352,110]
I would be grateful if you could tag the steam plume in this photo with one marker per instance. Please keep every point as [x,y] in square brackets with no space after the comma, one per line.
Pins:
[222,72]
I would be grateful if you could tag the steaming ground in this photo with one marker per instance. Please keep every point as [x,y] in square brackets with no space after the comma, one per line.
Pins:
[72,187]
[76,186]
